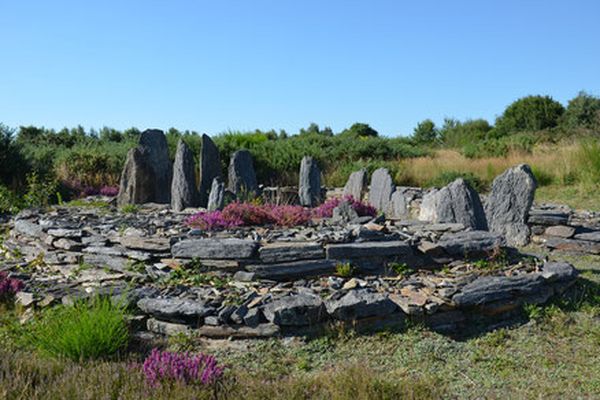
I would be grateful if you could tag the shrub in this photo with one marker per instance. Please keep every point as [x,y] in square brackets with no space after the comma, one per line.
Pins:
[9,287]
[39,191]
[169,367]
[345,270]
[86,330]
[325,210]
[446,177]
[10,203]
[110,191]
[530,113]
[583,111]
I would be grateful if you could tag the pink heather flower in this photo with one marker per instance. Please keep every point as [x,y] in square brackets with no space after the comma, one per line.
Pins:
[325,210]
[110,191]
[9,286]
[164,366]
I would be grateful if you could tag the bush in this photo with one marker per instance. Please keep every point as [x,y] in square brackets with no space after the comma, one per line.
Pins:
[583,111]
[39,191]
[446,177]
[530,113]
[87,330]
[10,203]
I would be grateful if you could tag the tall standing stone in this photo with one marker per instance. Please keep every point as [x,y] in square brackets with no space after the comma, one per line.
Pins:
[382,187]
[216,199]
[356,184]
[309,186]
[210,167]
[137,179]
[509,202]
[183,189]
[155,143]
[457,202]
[242,178]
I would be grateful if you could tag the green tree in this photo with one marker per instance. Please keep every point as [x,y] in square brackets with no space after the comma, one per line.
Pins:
[313,129]
[530,113]
[425,132]
[455,133]
[359,129]
[583,111]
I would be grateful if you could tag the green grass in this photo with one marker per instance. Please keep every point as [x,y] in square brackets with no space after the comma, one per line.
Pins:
[345,270]
[576,196]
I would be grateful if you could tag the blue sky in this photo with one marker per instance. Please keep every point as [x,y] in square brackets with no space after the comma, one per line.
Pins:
[217,65]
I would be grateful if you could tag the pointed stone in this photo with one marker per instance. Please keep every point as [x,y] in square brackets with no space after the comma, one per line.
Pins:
[216,199]
[155,143]
[137,179]
[183,189]
[382,187]
[242,178]
[356,184]
[309,186]
[210,168]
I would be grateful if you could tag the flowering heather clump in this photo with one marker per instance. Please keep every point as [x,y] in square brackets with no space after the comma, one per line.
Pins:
[212,220]
[250,214]
[325,210]
[165,366]
[290,215]
[110,191]
[9,286]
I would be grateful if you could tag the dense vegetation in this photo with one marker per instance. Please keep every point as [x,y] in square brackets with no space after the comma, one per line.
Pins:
[71,162]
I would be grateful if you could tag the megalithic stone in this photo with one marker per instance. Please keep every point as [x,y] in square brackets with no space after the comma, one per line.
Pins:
[210,168]
[137,179]
[242,178]
[216,199]
[155,143]
[309,186]
[356,184]
[382,187]
[183,189]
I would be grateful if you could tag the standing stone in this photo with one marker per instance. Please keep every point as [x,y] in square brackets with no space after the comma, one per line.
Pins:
[456,203]
[216,199]
[356,184]
[210,168]
[509,202]
[154,141]
[309,186]
[382,187]
[399,206]
[242,178]
[137,179]
[183,188]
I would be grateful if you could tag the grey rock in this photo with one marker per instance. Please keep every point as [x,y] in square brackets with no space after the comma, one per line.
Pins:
[382,187]
[183,187]
[137,184]
[292,270]
[368,249]
[239,332]
[589,236]
[344,213]
[356,184]
[472,243]
[252,317]
[457,202]
[28,228]
[238,315]
[487,289]
[558,271]
[210,168]
[66,233]
[399,206]
[309,185]
[114,263]
[290,251]
[167,328]
[225,313]
[155,143]
[153,244]
[175,310]
[299,310]
[218,249]
[562,231]
[242,178]
[360,303]
[547,217]
[216,198]
[244,276]
[508,205]
[211,320]
[67,244]
[573,245]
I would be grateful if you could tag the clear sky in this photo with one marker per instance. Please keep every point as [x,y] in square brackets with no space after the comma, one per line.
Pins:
[223,64]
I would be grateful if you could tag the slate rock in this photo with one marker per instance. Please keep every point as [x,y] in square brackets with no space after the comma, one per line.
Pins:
[360,303]
[167,328]
[573,245]
[290,251]
[252,317]
[488,289]
[471,243]
[66,233]
[382,187]
[309,185]
[216,198]
[155,143]
[291,270]
[296,310]
[457,202]
[548,217]
[593,236]
[137,184]
[218,249]
[210,168]
[559,271]
[356,184]
[242,178]
[399,206]
[238,332]
[175,310]
[560,231]
[184,193]
[28,228]
[508,205]
[344,251]
[344,213]
[153,244]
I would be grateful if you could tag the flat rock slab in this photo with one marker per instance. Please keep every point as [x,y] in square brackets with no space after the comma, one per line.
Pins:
[559,271]
[488,289]
[368,249]
[579,246]
[239,331]
[463,244]
[298,310]
[589,236]
[562,231]
[548,218]
[360,303]
[66,233]
[280,252]
[292,270]
[175,310]
[28,228]
[146,243]
[216,249]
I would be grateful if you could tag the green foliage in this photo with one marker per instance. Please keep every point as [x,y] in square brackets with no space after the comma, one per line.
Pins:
[502,146]
[39,191]
[345,270]
[10,203]
[425,132]
[530,113]
[446,177]
[401,269]
[583,111]
[542,177]
[359,130]
[130,209]
[588,158]
[191,277]
[457,134]
[87,330]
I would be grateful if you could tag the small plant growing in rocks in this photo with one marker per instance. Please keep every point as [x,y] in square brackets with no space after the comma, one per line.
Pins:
[9,287]
[164,367]
[400,269]
[345,270]
[130,209]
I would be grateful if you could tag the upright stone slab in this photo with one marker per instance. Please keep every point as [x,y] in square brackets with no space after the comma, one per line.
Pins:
[137,179]
[242,178]
[509,203]
[356,184]
[216,199]
[210,168]
[456,203]
[382,187]
[155,143]
[309,186]
[183,189]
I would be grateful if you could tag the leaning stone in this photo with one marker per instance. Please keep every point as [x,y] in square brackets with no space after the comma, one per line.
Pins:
[299,310]
[176,310]
[382,187]
[471,243]
[309,186]
[167,328]
[356,184]
[153,244]
[216,198]
[291,270]
[137,179]
[183,187]
[360,303]
[218,249]
[509,203]
[239,332]
[155,142]
[242,178]
[28,228]
[488,289]
[290,251]
[367,249]
[210,168]
[560,231]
